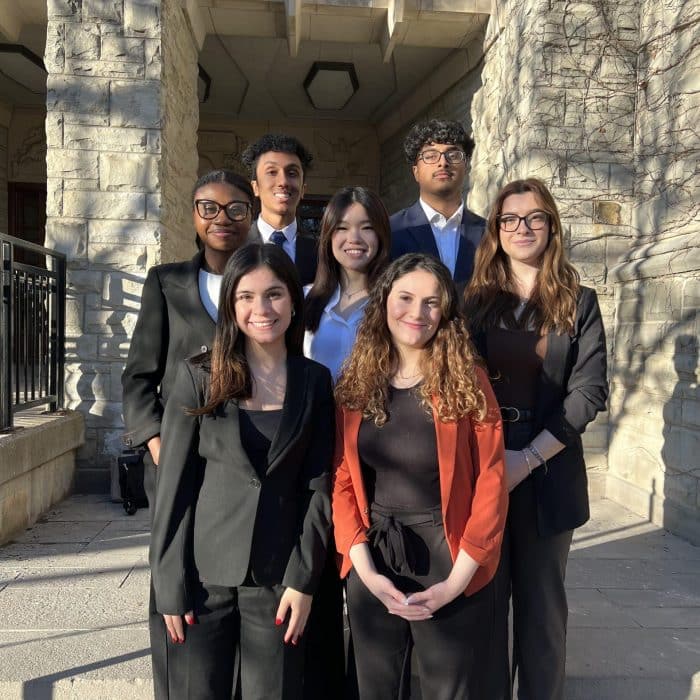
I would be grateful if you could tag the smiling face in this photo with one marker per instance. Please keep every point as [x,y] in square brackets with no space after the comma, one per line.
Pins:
[263,307]
[354,242]
[279,183]
[413,309]
[441,179]
[220,233]
[523,245]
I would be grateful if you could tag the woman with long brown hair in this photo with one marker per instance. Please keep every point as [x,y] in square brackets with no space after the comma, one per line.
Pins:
[353,249]
[541,334]
[419,496]
[243,511]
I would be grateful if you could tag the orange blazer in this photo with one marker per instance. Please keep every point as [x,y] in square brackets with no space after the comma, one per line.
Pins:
[474,494]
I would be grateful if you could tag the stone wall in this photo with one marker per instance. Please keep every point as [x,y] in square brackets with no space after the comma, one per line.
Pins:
[566,98]
[345,153]
[655,403]
[105,132]
[398,187]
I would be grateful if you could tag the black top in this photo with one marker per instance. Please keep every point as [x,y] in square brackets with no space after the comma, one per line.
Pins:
[257,430]
[399,460]
[514,359]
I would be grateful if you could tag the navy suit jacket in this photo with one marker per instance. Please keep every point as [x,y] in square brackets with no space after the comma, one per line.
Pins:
[411,233]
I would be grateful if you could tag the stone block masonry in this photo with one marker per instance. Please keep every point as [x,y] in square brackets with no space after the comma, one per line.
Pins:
[120,124]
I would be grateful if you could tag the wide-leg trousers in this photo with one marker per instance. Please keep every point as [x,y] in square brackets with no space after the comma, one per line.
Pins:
[452,650]
[532,571]
[233,622]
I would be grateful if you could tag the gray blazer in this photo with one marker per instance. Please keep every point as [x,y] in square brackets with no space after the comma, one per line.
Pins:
[172,325]
[216,517]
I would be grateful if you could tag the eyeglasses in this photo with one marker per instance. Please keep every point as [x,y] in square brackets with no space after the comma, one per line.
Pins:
[535,221]
[431,156]
[208,209]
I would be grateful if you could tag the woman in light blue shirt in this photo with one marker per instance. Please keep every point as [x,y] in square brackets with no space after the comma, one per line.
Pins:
[353,249]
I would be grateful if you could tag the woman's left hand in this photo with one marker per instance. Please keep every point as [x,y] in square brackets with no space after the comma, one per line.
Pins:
[298,605]
[435,597]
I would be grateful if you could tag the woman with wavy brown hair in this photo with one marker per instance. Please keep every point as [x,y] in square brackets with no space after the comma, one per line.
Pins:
[419,496]
[541,334]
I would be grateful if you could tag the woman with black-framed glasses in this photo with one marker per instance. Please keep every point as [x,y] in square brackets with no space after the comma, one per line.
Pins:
[177,319]
[541,334]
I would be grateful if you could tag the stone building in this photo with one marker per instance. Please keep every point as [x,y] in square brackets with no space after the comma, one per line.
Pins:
[596,97]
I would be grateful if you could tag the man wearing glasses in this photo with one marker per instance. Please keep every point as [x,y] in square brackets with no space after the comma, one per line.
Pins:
[278,165]
[439,223]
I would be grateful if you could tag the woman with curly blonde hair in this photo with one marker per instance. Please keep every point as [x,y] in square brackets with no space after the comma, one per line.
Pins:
[419,495]
[541,334]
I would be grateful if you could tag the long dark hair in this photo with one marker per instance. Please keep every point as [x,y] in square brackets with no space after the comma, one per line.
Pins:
[230,373]
[450,383]
[491,296]
[227,177]
[328,270]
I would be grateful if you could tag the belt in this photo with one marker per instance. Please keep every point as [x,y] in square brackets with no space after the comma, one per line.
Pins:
[511,414]
[388,535]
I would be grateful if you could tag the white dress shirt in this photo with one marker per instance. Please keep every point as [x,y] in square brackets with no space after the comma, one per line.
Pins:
[290,233]
[446,233]
[210,291]
[333,340]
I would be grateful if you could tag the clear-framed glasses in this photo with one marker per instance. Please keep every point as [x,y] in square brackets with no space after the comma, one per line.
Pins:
[209,209]
[535,221]
[431,156]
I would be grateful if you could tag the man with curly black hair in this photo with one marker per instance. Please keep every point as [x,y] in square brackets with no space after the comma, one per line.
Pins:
[439,223]
[278,165]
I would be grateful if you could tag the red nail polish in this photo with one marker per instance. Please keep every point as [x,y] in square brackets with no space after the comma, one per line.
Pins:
[278,621]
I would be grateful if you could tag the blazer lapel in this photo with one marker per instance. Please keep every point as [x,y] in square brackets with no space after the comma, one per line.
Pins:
[232,425]
[446,434]
[351,429]
[185,288]
[253,234]
[419,229]
[551,378]
[292,410]
[306,257]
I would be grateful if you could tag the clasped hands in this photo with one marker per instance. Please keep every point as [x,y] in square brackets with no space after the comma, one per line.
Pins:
[413,607]
[295,604]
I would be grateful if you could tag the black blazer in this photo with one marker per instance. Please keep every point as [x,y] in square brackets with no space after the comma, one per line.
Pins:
[306,254]
[411,233]
[172,325]
[216,516]
[572,389]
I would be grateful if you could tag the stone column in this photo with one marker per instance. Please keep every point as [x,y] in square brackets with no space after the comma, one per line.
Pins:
[655,404]
[113,108]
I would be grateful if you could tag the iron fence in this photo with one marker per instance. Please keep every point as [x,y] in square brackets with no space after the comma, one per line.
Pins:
[32,328]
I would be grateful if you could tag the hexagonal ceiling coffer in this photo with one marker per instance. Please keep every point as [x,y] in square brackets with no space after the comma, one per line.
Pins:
[331,84]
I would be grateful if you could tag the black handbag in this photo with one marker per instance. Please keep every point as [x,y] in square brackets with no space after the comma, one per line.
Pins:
[130,463]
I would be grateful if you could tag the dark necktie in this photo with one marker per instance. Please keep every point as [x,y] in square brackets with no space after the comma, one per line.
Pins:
[278,238]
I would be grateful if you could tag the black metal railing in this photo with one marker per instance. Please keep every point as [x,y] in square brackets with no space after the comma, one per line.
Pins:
[32,328]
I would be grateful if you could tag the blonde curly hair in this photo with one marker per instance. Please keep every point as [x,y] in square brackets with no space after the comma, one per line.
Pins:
[450,384]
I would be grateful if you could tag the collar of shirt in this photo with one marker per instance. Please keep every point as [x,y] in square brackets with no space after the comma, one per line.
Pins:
[438,221]
[290,231]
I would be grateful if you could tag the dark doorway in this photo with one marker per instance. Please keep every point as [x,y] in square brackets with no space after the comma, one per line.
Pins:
[26,217]
[310,212]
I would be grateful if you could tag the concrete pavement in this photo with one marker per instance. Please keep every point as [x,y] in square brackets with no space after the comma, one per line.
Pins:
[73,592]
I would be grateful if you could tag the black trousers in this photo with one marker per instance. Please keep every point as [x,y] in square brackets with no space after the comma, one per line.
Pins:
[452,650]
[238,622]
[532,570]
[324,667]
[166,658]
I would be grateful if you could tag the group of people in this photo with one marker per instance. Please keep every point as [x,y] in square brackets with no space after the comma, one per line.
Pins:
[386,418]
